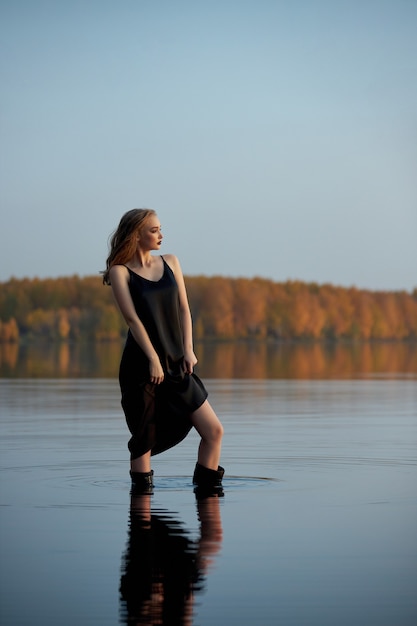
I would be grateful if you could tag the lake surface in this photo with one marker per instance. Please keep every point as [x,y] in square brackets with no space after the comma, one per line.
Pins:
[317,525]
[258,360]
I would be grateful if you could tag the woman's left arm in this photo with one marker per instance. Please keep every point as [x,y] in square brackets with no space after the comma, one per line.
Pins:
[187,326]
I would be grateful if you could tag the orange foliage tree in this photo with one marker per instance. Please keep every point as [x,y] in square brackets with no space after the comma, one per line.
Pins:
[74,308]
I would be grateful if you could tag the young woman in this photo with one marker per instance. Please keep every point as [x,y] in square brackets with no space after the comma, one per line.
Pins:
[162,398]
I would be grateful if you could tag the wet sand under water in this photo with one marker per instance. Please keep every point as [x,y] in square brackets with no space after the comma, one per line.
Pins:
[317,525]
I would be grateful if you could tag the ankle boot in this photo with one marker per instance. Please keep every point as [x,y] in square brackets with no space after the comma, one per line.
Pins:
[142,482]
[208,482]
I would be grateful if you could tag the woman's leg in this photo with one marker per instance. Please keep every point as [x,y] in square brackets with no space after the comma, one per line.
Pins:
[141,474]
[210,429]
[142,463]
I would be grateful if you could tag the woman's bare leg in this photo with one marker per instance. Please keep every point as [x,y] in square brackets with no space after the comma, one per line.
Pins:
[142,463]
[210,429]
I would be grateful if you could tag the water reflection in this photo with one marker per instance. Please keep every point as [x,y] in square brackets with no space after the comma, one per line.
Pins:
[302,361]
[163,567]
[219,360]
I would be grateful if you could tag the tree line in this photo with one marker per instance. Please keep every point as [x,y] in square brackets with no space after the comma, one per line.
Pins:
[75,308]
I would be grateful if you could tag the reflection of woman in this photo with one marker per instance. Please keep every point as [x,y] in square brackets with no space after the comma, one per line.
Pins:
[162,566]
[161,396]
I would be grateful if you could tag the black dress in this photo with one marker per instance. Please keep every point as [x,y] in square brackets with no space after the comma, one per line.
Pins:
[158,416]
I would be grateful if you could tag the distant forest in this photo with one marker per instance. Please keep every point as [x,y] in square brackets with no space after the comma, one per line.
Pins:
[74,309]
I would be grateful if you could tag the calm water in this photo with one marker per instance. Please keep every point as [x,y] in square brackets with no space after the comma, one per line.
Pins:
[219,360]
[317,526]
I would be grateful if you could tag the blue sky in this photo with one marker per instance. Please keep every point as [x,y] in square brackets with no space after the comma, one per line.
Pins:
[274,138]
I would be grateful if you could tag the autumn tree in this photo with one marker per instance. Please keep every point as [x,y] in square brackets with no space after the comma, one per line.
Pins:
[9,331]
[74,308]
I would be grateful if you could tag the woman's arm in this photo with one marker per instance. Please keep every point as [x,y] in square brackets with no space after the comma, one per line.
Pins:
[119,277]
[187,326]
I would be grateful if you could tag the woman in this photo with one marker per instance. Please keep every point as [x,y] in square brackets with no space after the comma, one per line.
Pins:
[161,396]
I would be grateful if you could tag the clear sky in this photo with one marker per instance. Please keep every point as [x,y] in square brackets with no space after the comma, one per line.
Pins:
[274,138]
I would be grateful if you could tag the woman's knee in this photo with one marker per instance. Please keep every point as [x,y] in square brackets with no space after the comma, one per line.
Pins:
[208,424]
[216,432]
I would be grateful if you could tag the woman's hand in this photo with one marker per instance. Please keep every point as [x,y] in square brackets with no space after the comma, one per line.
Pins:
[190,360]
[156,372]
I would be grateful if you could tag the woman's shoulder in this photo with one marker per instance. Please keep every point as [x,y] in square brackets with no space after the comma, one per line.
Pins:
[172,261]
[118,271]
[170,258]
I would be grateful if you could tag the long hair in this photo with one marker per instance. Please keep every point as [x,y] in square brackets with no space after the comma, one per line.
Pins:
[123,241]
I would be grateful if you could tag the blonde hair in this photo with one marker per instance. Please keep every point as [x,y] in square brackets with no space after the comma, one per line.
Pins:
[123,241]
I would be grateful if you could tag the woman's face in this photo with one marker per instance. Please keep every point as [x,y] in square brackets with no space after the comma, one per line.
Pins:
[150,236]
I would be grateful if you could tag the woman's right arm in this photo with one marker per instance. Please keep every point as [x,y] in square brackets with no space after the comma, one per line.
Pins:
[119,277]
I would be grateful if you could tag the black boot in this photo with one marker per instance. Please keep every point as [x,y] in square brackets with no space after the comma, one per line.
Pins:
[142,482]
[208,482]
